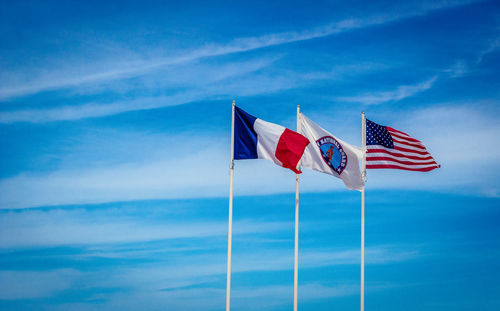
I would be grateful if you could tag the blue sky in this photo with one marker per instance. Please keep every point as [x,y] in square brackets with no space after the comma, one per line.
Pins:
[114,149]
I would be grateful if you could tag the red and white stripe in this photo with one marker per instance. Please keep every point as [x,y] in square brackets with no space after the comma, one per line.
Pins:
[408,154]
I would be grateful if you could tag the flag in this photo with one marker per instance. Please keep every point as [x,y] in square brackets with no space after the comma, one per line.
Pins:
[390,148]
[328,154]
[257,139]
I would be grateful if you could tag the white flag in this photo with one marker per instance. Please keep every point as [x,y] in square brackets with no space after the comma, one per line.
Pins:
[328,154]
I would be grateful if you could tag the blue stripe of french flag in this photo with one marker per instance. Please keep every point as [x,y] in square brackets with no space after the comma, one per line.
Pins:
[257,139]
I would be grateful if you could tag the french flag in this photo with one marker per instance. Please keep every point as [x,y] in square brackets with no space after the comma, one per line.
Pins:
[257,139]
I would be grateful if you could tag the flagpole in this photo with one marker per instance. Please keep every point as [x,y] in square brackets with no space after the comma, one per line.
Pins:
[230,226]
[296,259]
[363,174]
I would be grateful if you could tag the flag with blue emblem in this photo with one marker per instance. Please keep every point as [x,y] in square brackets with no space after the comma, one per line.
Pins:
[392,149]
[331,155]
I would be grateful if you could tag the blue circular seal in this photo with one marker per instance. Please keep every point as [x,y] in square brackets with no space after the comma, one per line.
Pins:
[332,153]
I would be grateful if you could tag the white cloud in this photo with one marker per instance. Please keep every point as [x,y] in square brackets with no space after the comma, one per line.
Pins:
[194,268]
[177,178]
[211,82]
[195,83]
[400,93]
[192,276]
[26,82]
[189,277]
[456,135]
[77,227]
[458,69]
[92,110]
[492,47]
[171,281]
[209,298]
[461,68]
[35,284]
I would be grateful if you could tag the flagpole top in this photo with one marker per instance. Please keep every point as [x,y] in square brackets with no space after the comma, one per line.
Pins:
[234,102]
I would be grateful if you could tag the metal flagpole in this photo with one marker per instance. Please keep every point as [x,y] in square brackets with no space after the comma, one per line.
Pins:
[296,261]
[363,174]
[230,226]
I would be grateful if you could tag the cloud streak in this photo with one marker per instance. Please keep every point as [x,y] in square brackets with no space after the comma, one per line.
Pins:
[398,94]
[50,234]
[461,68]
[35,284]
[239,79]
[492,47]
[164,175]
[133,68]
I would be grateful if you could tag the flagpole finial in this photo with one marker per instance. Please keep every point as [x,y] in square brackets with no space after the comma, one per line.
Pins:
[234,102]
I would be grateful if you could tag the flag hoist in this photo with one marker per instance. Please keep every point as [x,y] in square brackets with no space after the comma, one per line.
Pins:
[330,155]
[296,248]
[387,148]
[363,175]
[253,138]
[230,222]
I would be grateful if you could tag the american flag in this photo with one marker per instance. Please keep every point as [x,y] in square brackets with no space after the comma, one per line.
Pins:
[390,148]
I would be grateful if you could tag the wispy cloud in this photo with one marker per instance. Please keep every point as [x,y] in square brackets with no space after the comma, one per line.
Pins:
[191,273]
[182,278]
[197,268]
[402,92]
[461,67]
[92,110]
[492,47]
[35,284]
[177,272]
[53,228]
[163,175]
[126,68]
[238,79]
[458,69]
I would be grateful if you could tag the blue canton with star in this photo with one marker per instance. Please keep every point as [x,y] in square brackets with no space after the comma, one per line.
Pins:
[378,135]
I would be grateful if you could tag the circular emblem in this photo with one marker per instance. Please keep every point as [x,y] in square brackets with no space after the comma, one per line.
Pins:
[332,153]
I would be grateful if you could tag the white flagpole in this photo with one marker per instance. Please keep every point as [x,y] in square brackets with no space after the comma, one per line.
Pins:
[230,226]
[296,260]
[363,174]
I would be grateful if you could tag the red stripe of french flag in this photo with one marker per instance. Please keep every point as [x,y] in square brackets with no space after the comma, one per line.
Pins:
[290,148]
[279,144]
